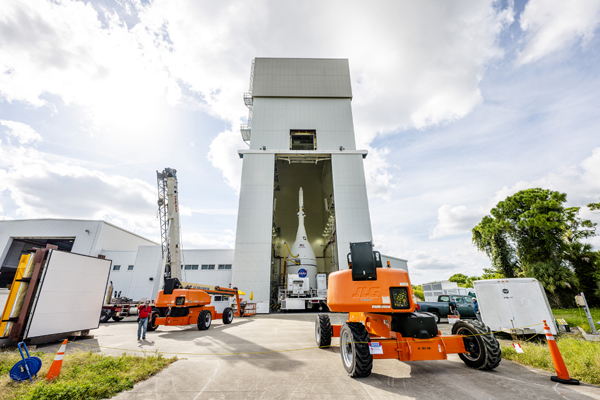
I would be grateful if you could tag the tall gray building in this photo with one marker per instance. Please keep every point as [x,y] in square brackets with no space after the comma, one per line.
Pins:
[300,134]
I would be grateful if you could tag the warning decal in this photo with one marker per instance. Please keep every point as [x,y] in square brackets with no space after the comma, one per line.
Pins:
[375,348]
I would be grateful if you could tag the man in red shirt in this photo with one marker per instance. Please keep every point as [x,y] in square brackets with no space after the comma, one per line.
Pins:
[144,313]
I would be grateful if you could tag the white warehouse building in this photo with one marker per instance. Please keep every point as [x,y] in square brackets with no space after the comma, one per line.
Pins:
[300,134]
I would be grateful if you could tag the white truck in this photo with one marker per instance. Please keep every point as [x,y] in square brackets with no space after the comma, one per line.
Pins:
[517,305]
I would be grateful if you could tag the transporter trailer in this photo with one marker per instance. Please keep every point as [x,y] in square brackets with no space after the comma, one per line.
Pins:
[383,324]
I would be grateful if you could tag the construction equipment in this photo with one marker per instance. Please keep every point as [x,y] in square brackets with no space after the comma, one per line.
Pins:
[383,324]
[182,303]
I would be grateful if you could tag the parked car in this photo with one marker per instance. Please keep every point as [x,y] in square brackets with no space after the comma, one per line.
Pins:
[441,307]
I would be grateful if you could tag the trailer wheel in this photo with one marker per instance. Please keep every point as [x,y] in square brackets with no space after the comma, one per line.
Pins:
[227,315]
[354,346]
[483,348]
[117,319]
[323,331]
[152,323]
[105,315]
[204,320]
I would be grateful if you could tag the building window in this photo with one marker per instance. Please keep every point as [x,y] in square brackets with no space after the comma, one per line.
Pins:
[208,266]
[194,267]
[116,267]
[218,298]
[303,139]
[130,268]
[224,266]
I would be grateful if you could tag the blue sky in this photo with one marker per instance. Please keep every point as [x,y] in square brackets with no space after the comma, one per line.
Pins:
[460,104]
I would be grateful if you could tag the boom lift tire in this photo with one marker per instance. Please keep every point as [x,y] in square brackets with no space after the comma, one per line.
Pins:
[484,349]
[354,346]
[105,316]
[227,315]
[323,331]
[204,320]
[152,323]
[117,319]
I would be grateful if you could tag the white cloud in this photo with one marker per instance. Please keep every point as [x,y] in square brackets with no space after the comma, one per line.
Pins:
[23,132]
[455,220]
[551,25]
[197,240]
[43,188]
[581,184]
[223,155]
[421,64]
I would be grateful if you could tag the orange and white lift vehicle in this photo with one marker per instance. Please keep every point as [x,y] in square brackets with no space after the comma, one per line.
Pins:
[182,303]
[383,324]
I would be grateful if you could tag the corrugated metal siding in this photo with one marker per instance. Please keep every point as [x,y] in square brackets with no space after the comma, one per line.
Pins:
[273,118]
[301,77]
[352,219]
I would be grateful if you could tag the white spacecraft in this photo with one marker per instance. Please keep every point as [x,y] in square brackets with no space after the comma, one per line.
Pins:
[302,261]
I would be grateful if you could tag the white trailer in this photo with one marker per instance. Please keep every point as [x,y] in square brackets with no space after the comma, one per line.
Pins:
[516,305]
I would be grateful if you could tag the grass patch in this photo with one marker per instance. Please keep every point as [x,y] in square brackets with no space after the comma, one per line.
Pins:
[576,317]
[581,357]
[84,375]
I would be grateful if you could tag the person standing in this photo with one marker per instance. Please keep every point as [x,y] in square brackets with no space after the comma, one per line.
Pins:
[453,307]
[144,312]
[476,310]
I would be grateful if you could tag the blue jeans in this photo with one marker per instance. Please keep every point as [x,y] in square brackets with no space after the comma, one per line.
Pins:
[142,326]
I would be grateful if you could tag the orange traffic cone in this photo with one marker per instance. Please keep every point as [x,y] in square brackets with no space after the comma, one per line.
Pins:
[57,363]
[559,364]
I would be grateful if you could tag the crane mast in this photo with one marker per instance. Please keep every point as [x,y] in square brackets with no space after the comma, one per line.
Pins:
[168,212]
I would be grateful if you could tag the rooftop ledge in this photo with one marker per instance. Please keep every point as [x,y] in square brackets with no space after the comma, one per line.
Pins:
[308,153]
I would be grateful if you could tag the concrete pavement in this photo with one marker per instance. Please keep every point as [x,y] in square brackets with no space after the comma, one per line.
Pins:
[238,361]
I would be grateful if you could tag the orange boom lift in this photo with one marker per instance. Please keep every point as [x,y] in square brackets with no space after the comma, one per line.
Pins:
[182,303]
[382,321]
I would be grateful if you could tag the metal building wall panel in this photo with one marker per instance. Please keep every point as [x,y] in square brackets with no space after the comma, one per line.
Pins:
[70,296]
[214,277]
[252,258]
[114,238]
[301,77]
[84,232]
[353,222]
[273,118]
[122,279]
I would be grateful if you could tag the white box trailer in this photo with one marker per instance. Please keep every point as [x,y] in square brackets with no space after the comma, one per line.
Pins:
[515,303]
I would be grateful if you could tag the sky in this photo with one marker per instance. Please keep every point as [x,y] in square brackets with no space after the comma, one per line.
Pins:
[460,104]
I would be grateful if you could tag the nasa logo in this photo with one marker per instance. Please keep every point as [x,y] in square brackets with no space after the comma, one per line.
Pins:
[302,273]
[505,291]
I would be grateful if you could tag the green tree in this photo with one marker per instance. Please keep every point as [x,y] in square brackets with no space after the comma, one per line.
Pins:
[594,206]
[461,279]
[585,263]
[532,233]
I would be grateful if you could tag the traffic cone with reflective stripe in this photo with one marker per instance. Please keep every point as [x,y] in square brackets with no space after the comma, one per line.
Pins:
[57,363]
[559,364]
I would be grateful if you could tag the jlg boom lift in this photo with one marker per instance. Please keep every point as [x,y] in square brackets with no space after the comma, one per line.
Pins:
[382,321]
[181,303]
